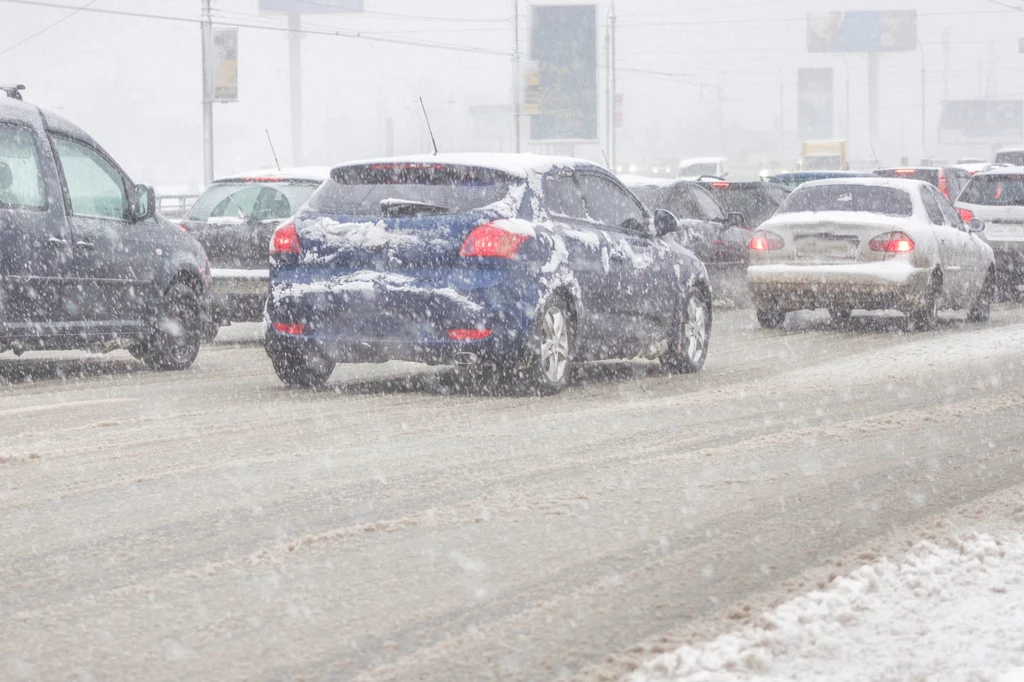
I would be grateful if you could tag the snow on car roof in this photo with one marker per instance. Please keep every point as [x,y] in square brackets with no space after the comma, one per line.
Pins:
[644,181]
[518,165]
[1002,170]
[904,184]
[318,173]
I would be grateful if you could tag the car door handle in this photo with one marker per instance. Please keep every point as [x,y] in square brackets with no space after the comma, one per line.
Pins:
[88,246]
[56,241]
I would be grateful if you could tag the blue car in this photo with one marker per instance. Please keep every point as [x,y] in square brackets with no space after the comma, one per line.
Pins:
[515,266]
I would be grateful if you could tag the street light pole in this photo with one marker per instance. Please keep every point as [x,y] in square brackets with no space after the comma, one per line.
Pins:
[614,89]
[516,79]
[206,25]
[295,78]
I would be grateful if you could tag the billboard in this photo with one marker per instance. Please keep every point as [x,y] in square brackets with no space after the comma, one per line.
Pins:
[862,31]
[815,104]
[311,6]
[225,70]
[563,40]
[981,121]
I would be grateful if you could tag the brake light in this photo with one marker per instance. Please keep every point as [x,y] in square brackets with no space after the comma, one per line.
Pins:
[286,240]
[491,241]
[290,328]
[468,334]
[766,241]
[263,178]
[184,227]
[892,242]
[905,171]
[943,185]
[720,185]
[965,215]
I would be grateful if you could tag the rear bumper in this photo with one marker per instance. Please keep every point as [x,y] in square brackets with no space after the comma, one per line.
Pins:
[871,286]
[376,317]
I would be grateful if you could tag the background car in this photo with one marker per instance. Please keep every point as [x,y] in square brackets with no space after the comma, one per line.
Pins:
[710,166]
[234,220]
[86,263]
[794,179]
[950,180]
[515,265]
[1010,157]
[869,244]
[997,198]
[755,201]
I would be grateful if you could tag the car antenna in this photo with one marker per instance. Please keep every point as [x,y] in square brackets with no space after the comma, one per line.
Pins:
[429,130]
[607,163]
[873,154]
[272,151]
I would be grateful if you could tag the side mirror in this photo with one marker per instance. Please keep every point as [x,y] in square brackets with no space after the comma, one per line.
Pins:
[145,202]
[735,220]
[976,225]
[665,223]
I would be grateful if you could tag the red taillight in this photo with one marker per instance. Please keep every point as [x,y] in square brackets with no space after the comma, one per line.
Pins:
[286,240]
[892,242]
[468,334]
[904,171]
[943,185]
[965,215]
[766,241]
[290,328]
[491,241]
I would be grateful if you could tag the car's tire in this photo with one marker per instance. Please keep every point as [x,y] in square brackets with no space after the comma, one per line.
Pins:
[174,342]
[689,347]
[302,370]
[549,362]
[925,316]
[770,316]
[841,314]
[982,306]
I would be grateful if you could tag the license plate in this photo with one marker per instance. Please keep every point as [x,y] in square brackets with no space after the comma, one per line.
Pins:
[818,247]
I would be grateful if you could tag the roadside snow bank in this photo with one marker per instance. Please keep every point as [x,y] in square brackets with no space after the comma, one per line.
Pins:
[944,613]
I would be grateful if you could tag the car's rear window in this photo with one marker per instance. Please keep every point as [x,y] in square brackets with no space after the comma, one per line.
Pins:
[1014,158]
[753,202]
[21,183]
[994,190]
[409,188]
[232,201]
[929,175]
[860,198]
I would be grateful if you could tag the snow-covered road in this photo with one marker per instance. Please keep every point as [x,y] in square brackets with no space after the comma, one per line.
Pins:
[215,525]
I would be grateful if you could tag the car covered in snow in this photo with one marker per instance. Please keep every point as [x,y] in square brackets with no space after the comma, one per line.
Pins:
[510,266]
[86,261]
[234,219]
[997,198]
[869,244]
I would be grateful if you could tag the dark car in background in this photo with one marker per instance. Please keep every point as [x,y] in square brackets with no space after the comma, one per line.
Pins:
[755,201]
[509,266]
[234,220]
[950,180]
[86,262]
[794,179]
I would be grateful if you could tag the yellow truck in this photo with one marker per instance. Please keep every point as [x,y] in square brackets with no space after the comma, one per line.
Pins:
[824,155]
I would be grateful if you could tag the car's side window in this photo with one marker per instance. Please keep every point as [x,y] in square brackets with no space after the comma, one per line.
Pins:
[95,187]
[950,213]
[562,197]
[610,204]
[708,205]
[931,207]
[683,205]
[21,183]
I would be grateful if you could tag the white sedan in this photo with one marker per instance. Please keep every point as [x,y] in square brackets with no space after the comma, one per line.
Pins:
[869,244]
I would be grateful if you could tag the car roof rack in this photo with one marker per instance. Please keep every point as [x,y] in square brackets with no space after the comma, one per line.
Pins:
[13,91]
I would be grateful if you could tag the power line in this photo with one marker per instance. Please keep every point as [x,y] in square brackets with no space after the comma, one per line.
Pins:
[47,28]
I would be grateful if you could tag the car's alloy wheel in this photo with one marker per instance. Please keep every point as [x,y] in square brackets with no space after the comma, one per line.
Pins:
[693,336]
[982,306]
[306,370]
[174,343]
[552,344]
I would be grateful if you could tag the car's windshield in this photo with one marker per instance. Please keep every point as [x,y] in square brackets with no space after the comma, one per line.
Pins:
[379,188]
[251,201]
[859,198]
[753,202]
[994,190]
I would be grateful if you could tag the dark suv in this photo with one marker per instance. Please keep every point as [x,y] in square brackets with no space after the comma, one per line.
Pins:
[86,263]
[950,180]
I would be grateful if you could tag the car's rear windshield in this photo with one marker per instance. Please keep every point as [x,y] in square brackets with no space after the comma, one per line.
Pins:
[860,198]
[233,201]
[994,190]
[753,202]
[1014,158]
[409,188]
[929,175]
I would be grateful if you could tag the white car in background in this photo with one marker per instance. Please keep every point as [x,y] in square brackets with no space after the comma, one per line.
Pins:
[997,198]
[869,244]
[704,166]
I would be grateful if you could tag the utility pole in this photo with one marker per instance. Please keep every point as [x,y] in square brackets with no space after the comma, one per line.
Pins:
[924,112]
[295,80]
[614,87]
[517,77]
[206,24]
[873,97]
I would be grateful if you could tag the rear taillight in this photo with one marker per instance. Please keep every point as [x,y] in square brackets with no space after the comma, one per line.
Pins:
[184,227]
[468,334]
[892,242]
[285,240]
[290,328]
[720,185]
[965,215]
[943,185]
[766,241]
[492,241]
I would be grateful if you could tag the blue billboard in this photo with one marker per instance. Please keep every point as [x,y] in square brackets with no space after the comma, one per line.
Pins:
[862,31]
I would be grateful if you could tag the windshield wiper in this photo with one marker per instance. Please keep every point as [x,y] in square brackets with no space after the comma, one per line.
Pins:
[406,207]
